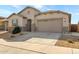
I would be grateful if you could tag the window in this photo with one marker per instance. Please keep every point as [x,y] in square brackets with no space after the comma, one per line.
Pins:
[15,22]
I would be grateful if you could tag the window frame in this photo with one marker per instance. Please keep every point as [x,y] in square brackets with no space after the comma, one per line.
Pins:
[14,22]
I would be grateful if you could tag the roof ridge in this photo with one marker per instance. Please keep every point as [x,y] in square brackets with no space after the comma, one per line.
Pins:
[29,7]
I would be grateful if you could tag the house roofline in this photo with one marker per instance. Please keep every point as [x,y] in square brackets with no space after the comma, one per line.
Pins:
[56,11]
[53,11]
[11,15]
[27,8]
[17,15]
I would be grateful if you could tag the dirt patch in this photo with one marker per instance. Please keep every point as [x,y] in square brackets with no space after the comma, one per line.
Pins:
[71,42]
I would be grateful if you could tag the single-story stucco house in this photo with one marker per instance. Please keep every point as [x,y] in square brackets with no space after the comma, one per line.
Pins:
[31,19]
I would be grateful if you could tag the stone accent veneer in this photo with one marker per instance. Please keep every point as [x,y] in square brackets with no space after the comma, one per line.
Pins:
[65,29]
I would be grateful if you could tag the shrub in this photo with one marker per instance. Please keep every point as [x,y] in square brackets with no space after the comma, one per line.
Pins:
[71,42]
[16,30]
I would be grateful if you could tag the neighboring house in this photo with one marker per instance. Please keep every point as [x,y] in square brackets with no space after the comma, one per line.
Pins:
[3,24]
[74,27]
[31,19]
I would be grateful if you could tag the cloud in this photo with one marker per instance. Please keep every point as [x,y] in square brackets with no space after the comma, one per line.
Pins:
[77,14]
[16,6]
[4,12]
[49,9]
[39,7]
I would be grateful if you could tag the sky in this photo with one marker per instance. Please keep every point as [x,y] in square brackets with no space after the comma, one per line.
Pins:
[6,10]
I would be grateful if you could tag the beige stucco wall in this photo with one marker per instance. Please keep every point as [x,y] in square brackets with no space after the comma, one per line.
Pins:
[20,20]
[55,15]
[24,22]
[31,16]
[64,17]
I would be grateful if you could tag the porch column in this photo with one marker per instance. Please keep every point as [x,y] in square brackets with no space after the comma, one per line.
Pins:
[33,25]
[5,25]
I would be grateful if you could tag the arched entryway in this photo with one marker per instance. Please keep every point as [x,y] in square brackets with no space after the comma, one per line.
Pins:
[29,25]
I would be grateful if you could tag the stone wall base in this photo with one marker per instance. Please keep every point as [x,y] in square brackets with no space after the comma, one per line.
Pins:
[65,29]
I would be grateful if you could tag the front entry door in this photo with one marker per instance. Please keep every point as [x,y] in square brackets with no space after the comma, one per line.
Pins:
[29,25]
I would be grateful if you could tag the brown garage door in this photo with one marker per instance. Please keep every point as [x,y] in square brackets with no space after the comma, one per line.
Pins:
[53,25]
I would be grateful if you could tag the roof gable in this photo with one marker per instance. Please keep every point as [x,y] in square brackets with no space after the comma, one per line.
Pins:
[17,15]
[28,8]
[11,15]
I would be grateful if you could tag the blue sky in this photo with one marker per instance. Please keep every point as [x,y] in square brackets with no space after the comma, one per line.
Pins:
[6,10]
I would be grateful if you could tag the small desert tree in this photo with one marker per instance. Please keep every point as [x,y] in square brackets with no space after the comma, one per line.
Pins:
[16,30]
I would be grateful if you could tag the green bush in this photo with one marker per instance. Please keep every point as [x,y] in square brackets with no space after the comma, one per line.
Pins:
[16,30]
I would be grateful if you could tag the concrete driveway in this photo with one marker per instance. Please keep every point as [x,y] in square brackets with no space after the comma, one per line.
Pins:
[37,37]
[34,41]
[44,38]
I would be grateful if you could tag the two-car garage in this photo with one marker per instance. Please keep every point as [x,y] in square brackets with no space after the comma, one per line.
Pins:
[53,21]
[50,25]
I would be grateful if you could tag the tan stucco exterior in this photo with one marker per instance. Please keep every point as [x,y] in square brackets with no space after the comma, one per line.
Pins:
[55,15]
[54,21]
[21,21]
[30,15]
[64,20]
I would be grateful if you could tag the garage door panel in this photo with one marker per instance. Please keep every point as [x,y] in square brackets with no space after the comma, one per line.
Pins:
[50,26]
